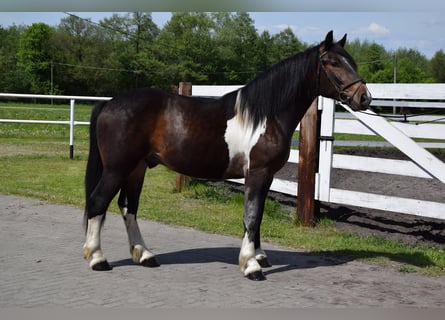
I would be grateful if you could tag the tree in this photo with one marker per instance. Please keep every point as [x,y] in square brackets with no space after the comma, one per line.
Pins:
[236,38]
[144,30]
[130,40]
[80,33]
[286,44]
[34,57]
[128,50]
[10,78]
[264,48]
[186,48]
[136,29]
[271,49]
[358,49]
[412,66]
[144,33]
[76,40]
[375,64]
[437,66]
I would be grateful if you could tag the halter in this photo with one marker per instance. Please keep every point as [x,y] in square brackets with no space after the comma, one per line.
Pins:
[342,95]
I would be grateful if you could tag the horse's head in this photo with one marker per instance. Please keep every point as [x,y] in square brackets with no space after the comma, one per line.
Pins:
[337,75]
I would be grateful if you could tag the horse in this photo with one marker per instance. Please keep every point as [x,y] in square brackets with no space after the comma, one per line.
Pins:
[246,133]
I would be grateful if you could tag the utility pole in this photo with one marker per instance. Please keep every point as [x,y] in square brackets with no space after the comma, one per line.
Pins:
[52,81]
[395,77]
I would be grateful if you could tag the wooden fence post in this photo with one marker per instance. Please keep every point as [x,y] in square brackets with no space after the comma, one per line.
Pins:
[307,207]
[185,89]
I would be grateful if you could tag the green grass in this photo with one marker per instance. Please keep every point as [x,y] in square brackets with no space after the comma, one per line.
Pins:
[34,163]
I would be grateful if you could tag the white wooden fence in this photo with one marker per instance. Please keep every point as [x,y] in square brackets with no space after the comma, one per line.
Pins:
[423,164]
[71,121]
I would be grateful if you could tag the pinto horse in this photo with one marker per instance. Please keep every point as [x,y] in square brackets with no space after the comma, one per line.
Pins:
[244,134]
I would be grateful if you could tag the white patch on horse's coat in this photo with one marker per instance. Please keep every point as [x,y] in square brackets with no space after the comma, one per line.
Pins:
[138,249]
[91,248]
[240,135]
[346,62]
[247,262]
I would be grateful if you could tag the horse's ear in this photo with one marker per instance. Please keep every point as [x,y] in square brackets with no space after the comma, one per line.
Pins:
[327,43]
[342,42]
[329,39]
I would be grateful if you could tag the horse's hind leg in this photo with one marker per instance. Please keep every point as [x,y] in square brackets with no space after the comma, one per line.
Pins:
[129,203]
[97,205]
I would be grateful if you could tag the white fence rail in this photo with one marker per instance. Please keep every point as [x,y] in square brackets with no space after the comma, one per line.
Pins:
[71,121]
[424,164]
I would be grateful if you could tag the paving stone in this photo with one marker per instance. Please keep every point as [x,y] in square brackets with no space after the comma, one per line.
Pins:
[41,265]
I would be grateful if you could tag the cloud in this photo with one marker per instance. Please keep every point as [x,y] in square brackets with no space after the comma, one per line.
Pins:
[299,31]
[376,28]
[373,31]
[281,27]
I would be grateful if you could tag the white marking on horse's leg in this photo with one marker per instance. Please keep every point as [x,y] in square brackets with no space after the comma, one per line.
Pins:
[247,261]
[260,254]
[124,211]
[138,249]
[92,248]
[262,258]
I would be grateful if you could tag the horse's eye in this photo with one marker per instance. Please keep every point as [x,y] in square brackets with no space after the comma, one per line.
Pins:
[335,64]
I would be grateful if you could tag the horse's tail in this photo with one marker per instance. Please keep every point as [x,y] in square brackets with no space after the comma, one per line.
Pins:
[94,165]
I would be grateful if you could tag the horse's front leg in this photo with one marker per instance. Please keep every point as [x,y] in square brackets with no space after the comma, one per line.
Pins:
[251,256]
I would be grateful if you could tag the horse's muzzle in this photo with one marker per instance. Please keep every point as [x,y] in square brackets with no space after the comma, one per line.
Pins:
[360,99]
[365,101]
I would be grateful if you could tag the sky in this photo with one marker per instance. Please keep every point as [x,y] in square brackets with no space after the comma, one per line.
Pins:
[421,29]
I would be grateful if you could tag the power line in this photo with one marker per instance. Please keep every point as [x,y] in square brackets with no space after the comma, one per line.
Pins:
[142,71]
[130,36]
[374,61]
[105,26]
[95,68]
[138,37]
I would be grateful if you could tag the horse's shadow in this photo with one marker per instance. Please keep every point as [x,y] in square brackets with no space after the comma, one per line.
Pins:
[281,260]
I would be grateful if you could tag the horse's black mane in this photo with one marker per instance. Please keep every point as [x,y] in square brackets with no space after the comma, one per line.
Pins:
[276,88]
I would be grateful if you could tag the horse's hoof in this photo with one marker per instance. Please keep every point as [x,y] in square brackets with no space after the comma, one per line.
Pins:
[102,266]
[150,263]
[264,263]
[256,276]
